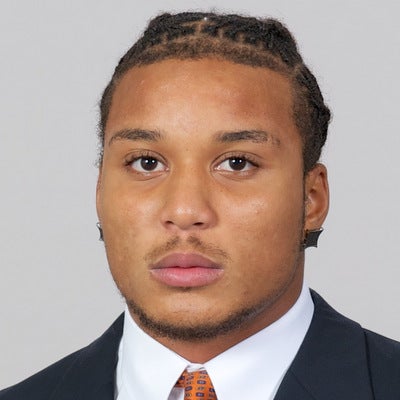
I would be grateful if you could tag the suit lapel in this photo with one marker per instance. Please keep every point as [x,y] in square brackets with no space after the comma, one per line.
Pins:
[332,361]
[92,376]
[291,389]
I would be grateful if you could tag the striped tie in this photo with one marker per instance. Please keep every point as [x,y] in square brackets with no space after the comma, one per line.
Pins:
[197,385]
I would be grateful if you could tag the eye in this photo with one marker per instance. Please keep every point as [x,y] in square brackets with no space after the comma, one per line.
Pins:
[238,163]
[147,164]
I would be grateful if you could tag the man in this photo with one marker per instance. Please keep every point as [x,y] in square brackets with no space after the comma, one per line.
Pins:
[209,191]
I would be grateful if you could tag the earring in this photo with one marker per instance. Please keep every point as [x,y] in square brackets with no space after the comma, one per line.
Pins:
[100,231]
[311,238]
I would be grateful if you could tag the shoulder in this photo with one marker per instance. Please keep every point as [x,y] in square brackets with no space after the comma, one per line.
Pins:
[345,345]
[81,372]
[383,349]
[384,362]
[44,383]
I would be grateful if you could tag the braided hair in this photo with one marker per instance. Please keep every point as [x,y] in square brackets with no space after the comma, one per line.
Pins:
[243,40]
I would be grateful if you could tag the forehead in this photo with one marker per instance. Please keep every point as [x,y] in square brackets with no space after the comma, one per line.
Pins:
[205,93]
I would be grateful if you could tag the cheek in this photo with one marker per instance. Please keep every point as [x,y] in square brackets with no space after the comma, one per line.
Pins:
[268,217]
[126,209]
[124,218]
[267,229]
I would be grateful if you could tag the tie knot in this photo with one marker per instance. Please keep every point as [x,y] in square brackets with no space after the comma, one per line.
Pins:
[197,385]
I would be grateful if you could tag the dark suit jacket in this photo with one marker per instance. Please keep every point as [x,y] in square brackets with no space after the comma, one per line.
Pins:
[338,360]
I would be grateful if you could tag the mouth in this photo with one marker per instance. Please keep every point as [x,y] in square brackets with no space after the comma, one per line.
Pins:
[186,270]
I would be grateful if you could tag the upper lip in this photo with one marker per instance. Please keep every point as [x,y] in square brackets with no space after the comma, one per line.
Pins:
[184,260]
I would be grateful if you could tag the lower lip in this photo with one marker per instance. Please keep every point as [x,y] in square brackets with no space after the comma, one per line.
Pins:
[187,276]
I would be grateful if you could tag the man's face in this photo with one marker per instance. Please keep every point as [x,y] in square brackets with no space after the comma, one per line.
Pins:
[201,197]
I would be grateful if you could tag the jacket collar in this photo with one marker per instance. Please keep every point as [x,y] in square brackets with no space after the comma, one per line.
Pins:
[94,379]
[332,362]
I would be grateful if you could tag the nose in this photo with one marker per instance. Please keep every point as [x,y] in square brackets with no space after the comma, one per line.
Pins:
[187,203]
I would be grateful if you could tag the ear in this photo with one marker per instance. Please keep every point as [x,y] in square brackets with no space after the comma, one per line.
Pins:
[98,193]
[316,197]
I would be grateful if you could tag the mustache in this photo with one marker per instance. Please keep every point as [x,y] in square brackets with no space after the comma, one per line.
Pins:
[192,243]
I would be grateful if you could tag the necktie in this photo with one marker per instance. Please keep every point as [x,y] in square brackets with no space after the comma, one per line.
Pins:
[197,385]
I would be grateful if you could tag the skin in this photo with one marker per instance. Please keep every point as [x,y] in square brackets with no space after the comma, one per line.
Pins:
[250,221]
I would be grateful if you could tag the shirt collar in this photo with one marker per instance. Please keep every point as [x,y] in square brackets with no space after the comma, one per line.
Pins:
[262,359]
[142,361]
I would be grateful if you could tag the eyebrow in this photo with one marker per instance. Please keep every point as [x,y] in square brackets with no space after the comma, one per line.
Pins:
[136,134]
[255,136]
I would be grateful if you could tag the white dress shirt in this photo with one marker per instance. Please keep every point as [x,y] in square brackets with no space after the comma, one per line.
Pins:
[254,366]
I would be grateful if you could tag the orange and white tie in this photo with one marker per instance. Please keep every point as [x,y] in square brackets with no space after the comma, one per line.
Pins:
[197,385]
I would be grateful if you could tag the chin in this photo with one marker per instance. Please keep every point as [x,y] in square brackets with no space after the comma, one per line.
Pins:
[205,328]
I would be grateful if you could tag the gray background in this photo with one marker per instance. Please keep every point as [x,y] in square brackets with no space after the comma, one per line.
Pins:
[56,57]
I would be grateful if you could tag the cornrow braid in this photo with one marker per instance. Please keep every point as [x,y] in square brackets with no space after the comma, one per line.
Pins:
[244,40]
